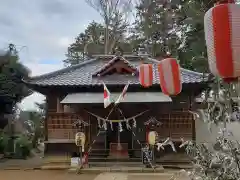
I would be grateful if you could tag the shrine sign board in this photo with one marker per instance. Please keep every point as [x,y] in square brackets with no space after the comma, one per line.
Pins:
[147,156]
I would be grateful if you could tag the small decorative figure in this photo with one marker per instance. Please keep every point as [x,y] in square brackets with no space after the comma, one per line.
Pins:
[79,123]
[152,122]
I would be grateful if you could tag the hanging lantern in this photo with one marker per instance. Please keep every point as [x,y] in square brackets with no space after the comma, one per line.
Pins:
[152,137]
[221,24]
[80,140]
[170,76]
[146,75]
[224,1]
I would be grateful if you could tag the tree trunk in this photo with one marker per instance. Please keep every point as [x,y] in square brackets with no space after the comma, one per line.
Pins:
[106,38]
[113,43]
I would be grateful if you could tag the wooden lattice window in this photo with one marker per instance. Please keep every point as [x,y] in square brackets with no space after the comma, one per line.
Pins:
[60,126]
[164,129]
[176,125]
[181,125]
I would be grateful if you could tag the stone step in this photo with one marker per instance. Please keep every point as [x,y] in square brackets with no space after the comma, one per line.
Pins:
[98,170]
[113,159]
[113,164]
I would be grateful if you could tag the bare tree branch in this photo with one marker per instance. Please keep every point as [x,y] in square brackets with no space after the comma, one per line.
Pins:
[115,14]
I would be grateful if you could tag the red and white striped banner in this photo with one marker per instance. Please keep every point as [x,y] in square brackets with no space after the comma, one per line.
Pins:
[146,75]
[122,95]
[170,76]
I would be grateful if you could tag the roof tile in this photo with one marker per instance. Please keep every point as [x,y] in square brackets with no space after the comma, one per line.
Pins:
[82,75]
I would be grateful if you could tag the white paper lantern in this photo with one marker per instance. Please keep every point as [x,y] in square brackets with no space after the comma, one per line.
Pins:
[152,137]
[80,139]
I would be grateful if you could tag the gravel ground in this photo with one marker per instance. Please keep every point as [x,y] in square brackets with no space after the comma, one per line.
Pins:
[43,175]
[63,175]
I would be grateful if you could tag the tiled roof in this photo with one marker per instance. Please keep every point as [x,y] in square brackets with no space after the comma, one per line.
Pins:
[82,75]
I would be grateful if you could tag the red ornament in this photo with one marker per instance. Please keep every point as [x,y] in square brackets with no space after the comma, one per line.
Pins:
[222,34]
[170,76]
[146,75]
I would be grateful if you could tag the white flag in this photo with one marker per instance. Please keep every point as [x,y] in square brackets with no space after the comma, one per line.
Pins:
[106,96]
[122,95]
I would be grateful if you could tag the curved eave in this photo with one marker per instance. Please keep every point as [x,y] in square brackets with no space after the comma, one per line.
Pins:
[45,89]
[109,85]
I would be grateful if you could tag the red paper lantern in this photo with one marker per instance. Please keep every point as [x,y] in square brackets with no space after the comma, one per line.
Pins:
[224,1]
[222,34]
[146,75]
[229,80]
[170,76]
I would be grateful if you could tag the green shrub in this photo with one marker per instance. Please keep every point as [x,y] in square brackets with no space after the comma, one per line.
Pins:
[23,147]
[3,143]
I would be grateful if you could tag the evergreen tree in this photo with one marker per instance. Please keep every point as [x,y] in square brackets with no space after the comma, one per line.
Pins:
[86,44]
[91,42]
[155,26]
[12,88]
[192,50]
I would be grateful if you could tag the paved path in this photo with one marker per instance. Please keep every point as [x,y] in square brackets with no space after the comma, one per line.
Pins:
[112,176]
[43,175]
[137,176]
[64,175]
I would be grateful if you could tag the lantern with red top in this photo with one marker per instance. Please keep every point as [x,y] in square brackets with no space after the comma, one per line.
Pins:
[222,27]
[170,76]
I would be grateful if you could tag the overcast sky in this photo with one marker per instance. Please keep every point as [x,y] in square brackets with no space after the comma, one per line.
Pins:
[42,31]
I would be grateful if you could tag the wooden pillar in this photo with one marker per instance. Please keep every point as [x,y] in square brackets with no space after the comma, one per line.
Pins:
[46,119]
[59,105]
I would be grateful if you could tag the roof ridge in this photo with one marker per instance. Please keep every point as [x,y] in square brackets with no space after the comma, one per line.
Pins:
[63,70]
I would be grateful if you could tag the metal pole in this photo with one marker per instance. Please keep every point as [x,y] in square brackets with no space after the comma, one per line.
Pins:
[119,138]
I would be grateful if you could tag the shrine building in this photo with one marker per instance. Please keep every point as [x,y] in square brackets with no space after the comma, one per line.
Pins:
[74,97]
